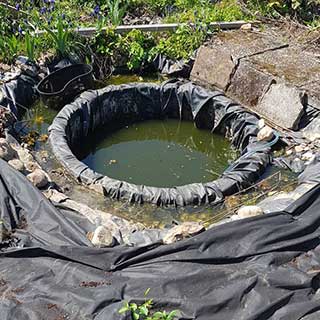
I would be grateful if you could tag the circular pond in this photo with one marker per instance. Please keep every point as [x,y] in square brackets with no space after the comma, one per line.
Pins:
[162,153]
[115,107]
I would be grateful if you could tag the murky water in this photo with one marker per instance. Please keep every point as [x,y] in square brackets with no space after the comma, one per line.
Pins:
[161,153]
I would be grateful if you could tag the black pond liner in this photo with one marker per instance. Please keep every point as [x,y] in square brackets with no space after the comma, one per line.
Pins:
[183,100]
[61,86]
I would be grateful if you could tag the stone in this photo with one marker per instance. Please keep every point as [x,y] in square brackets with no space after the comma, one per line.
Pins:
[261,124]
[17,164]
[299,148]
[55,195]
[213,67]
[6,151]
[248,84]
[38,178]
[297,165]
[312,130]
[247,26]
[24,155]
[249,211]
[289,152]
[31,166]
[265,134]
[282,104]
[308,156]
[102,237]
[182,231]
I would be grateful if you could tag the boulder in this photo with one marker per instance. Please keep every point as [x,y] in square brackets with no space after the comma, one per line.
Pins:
[182,231]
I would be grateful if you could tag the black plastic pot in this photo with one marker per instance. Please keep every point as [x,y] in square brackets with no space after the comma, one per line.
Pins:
[62,86]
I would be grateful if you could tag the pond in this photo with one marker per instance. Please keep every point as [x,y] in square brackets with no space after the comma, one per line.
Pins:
[161,137]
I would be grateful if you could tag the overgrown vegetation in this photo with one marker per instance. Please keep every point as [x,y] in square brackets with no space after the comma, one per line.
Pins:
[20,25]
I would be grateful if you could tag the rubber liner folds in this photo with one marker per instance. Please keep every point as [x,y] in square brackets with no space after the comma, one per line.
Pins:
[174,99]
[259,268]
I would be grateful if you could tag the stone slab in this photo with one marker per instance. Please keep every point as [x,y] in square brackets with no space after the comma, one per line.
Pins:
[212,68]
[282,104]
[248,84]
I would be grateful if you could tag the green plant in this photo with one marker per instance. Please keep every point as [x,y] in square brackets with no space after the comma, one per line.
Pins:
[60,37]
[143,311]
[30,46]
[116,11]
[180,44]
[136,45]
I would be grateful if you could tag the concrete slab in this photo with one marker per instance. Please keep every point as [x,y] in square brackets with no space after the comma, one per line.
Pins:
[283,104]
[212,68]
[248,84]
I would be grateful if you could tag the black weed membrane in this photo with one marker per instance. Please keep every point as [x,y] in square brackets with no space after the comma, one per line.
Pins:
[265,267]
[119,106]
[259,268]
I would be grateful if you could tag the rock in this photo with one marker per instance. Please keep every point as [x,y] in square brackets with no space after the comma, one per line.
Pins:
[289,152]
[247,26]
[261,124]
[102,237]
[283,104]
[213,67]
[248,84]
[182,231]
[297,165]
[308,156]
[31,166]
[265,134]
[24,155]
[249,211]
[299,148]
[56,196]
[16,164]
[6,151]
[38,178]
[312,130]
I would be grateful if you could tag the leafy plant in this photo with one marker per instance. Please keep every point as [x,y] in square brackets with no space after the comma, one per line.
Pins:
[30,46]
[143,311]
[136,45]
[116,11]
[60,37]
[180,44]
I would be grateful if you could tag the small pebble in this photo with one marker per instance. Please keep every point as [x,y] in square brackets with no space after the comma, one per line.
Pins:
[38,178]
[249,211]
[16,164]
[265,134]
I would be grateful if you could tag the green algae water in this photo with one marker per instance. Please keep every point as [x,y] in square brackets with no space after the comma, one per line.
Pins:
[161,153]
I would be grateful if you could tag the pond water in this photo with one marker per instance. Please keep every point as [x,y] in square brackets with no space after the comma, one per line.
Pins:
[160,153]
